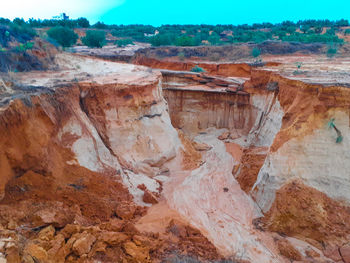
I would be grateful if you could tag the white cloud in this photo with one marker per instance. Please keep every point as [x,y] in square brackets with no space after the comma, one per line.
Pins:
[49,8]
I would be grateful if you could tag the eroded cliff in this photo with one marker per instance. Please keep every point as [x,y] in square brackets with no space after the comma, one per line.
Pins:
[110,162]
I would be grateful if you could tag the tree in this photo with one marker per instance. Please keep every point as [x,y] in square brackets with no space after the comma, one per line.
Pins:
[184,41]
[94,38]
[83,22]
[64,36]
[318,29]
[214,39]
[161,40]
[100,25]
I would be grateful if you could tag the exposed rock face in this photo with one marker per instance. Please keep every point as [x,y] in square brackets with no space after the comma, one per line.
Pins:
[81,153]
[133,122]
[224,69]
[97,167]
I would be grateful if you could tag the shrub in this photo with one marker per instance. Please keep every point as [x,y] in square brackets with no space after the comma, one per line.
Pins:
[124,42]
[331,125]
[24,47]
[23,30]
[64,36]
[347,31]
[94,38]
[256,52]
[331,52]
[197,69]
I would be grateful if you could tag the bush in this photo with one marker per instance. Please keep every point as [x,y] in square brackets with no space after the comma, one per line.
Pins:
[64,36]
[23,30]
[256,52]
[94,38]
[124,42]
[331,52]
[197,69]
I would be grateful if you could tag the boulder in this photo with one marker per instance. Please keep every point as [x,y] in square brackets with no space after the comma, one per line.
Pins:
[125,210]
[140,254]
[112,238]
[83,244]
[37,253]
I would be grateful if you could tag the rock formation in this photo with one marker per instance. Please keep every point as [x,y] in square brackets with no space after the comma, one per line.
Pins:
[109,162]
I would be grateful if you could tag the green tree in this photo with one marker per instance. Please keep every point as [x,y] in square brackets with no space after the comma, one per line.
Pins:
[318,29]
[94,38]
[304,28]
[161,40]
[214,39]
[184,41]
[100,25]
[64,36]
[83,22]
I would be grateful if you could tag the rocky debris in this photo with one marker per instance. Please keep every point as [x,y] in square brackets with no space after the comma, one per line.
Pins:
[112,238]
[332,252]
[315,216]
[82,243]
[35,253]
[139,253]
[286,249]
[345,253]
[149,197]
[224,136]
[125,210]
[201,146]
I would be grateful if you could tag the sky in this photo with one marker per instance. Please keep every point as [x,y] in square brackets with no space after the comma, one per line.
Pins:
[158,12]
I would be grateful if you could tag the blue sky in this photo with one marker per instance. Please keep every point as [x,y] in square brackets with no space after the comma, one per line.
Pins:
[157,12]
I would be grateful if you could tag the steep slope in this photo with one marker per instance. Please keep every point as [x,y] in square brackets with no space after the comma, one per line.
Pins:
[97,165]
